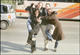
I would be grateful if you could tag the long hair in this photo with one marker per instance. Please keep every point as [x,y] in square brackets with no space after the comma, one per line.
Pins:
[38,12]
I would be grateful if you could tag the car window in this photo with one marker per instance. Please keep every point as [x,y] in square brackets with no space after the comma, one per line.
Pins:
[3,9]
[11,9]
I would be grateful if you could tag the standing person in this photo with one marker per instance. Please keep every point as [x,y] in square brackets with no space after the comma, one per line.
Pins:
[31,10]
[49,29]
[45,9]
[40,8]
[57,33]
[35,28]
[44,24]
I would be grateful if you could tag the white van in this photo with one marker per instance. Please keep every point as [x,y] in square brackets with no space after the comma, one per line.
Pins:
[7,16]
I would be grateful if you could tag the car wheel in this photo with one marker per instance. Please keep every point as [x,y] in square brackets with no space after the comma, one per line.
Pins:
[4,25]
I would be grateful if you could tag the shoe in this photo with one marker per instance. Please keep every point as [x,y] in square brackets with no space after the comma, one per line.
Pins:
[29,42]
[54,50]
[33,50]
[45,49]
[50,40]
[33,46]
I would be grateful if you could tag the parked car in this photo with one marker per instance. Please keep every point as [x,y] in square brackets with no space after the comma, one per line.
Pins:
[8,16]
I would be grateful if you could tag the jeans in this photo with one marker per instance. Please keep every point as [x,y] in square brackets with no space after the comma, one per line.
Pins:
[50,38]
[48,35]
[29,25]
[31,32]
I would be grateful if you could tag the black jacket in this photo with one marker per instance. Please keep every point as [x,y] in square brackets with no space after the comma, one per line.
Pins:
[31,10]
[44,12]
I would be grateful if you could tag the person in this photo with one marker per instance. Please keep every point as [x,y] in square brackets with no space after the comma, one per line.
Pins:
[39,6]
[50,27]
[31,10]
[57,33]
[45,9]
[43,12]
[35,28]
[45,25]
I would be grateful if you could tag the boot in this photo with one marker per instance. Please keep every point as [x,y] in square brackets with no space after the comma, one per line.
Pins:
[33,46]
[29,40]
[55,47]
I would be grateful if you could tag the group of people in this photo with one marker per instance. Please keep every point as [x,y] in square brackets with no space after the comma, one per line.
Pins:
[41,17]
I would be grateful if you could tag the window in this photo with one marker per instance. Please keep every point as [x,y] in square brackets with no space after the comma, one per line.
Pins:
[20,2]
[58,0]
[77,1]
[49,0]
[3,9]
[69,0]
[11,9]
[36,0]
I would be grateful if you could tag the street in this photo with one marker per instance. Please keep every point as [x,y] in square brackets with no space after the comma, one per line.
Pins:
[13,40]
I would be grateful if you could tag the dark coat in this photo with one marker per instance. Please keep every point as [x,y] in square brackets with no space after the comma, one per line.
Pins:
[44,11]
[34,24]
[41,11]
[52,19]
[30,9]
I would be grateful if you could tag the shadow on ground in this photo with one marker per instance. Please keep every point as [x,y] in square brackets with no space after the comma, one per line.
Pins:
[9,46]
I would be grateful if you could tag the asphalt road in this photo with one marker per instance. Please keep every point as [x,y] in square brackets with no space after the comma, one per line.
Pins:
[13,40]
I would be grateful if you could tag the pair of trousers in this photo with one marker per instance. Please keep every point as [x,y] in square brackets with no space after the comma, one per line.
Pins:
[48,35]
[29,27]
[29,31]
[43,28]
[33,30]
[56,44]
[31,36]
[49,30]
